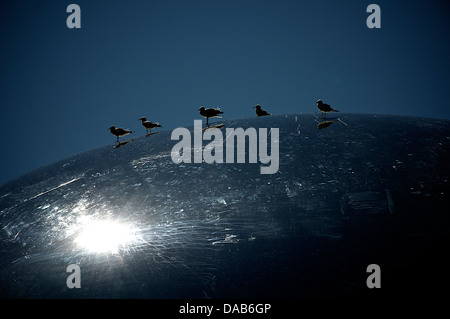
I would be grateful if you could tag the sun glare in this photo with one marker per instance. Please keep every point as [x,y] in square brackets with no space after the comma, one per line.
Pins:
[105,236]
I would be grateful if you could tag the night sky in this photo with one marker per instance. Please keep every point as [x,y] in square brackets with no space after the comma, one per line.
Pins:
[61,88]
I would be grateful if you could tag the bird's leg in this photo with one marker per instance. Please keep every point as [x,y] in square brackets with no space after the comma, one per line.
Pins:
[207,119]
[117,139]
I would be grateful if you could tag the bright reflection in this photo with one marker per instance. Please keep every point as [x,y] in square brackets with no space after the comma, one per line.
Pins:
[105,236]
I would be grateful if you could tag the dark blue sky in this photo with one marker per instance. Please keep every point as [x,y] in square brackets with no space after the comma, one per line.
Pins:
[60,88]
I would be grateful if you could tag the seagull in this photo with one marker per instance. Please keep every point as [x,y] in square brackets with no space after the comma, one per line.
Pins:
[119,132]
[324,108]
[211,112]
[260,111]
[148,125]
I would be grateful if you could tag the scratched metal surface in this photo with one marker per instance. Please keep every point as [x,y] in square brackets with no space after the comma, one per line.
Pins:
[362,189]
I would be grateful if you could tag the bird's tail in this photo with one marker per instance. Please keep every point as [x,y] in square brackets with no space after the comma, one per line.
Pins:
[335,110]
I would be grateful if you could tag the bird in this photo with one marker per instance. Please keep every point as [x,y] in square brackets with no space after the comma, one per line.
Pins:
[324,108]
[260,111]
[148,125]
[210,112]
[119,132]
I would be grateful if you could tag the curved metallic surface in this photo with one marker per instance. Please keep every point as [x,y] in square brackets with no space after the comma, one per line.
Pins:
[367,189]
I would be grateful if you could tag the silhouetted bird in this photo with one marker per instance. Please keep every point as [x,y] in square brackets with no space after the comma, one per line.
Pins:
[148,125]
[119,132]
[210,112]
[260,111]
[325,108]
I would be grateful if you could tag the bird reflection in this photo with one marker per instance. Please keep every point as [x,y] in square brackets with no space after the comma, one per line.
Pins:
[210,127]
[325,124]
[150,134]
[119,144]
